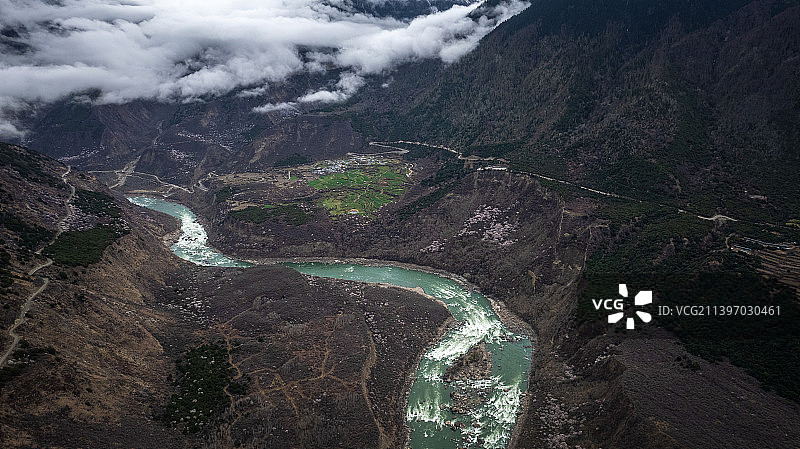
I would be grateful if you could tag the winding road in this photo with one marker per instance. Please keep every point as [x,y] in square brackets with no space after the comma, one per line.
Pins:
[26,306]
[461,156]
[129,172]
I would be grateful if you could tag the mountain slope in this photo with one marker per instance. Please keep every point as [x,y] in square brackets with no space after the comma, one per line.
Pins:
[86,369]
[664,101]
[677,106]
[110,340]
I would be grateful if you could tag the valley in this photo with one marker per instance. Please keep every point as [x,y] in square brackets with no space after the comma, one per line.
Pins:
[489,425]
[114,349]
[503,210]
[285,212]
[400,225]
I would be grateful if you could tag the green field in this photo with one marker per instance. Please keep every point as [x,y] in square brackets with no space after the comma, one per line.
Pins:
[364,190]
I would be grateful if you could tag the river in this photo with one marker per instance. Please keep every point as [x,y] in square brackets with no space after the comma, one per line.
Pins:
[490,423]
[192,244]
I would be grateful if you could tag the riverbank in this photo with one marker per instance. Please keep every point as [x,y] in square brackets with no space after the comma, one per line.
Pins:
[449,324]
[509,319]
[504,317]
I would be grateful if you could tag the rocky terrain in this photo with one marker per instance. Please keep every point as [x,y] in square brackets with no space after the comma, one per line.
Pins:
[474,364]
[653,144]
[128,346]
[319,363]
[88,370]
[522,243]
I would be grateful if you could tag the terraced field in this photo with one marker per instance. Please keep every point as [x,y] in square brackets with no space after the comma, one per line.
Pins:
[360,191]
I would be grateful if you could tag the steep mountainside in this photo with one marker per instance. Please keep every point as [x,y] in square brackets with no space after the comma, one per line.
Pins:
[681,108]
[652,143]
[80,366]
[181,143]
[109,340]
[695,104]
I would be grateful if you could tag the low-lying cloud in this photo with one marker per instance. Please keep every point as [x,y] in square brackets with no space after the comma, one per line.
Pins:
[174,50]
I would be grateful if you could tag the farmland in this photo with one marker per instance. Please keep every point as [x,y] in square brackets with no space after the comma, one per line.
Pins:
[355,186]
[359,191]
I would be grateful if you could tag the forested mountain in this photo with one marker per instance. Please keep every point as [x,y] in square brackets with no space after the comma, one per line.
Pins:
[691,103]
[676,106]
[652,143]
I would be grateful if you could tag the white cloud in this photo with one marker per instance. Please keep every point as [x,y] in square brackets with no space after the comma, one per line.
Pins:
[179,50]
[348,84]
[286,107]
[254,92]
[8,129]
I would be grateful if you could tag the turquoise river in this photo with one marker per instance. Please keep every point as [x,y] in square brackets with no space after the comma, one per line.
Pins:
[490,423]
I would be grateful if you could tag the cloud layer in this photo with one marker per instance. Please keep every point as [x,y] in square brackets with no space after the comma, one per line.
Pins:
[177,50]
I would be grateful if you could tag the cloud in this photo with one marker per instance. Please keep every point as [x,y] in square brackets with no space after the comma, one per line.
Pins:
[285,107]
[348,84]
[172,50]
[254,92]
[8,129]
